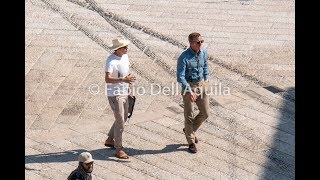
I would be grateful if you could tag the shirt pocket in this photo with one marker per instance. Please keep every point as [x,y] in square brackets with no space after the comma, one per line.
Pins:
[192,63]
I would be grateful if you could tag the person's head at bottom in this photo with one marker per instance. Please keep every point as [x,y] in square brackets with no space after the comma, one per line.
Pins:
[86,161]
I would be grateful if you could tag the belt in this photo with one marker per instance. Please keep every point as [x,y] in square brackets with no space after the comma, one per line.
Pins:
[200,83]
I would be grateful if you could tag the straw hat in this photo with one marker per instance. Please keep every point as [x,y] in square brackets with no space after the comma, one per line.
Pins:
[118,42]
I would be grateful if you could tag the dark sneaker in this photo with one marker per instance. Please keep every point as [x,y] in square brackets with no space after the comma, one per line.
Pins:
[195,138]
[192,148]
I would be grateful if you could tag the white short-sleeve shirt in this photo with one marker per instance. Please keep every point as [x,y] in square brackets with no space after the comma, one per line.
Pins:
[119,67]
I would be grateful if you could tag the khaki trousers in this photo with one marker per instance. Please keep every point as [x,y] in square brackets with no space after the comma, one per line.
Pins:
[192,122]
[119,106]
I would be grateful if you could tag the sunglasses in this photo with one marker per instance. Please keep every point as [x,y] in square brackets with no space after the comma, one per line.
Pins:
[198,42]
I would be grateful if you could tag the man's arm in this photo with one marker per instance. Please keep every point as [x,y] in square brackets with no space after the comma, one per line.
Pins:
[128,79]
[181,73]
[205,67]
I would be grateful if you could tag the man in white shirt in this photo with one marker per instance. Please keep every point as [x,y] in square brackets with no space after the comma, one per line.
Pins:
[118,79]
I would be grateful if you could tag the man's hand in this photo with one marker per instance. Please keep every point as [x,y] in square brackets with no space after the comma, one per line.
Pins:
[192,96]
[129,79]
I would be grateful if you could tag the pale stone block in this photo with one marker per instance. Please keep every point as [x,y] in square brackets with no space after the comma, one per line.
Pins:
[47,117]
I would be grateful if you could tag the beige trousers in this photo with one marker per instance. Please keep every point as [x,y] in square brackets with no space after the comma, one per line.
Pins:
[192,122]
[119,106]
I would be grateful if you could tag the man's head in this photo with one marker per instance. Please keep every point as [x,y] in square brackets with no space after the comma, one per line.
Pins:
[86,161]
[119,45]
[195,40]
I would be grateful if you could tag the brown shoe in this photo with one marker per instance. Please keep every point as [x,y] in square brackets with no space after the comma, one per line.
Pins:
[195,138]
[109,144]
[122,155]
[192,148]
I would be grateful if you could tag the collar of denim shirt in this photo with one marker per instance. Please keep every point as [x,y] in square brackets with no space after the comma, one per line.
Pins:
[194,53]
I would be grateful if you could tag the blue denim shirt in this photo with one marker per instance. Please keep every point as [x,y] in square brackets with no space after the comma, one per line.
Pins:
[192,67]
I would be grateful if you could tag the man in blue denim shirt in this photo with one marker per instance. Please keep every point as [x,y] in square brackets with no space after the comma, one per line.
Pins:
[192,73]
